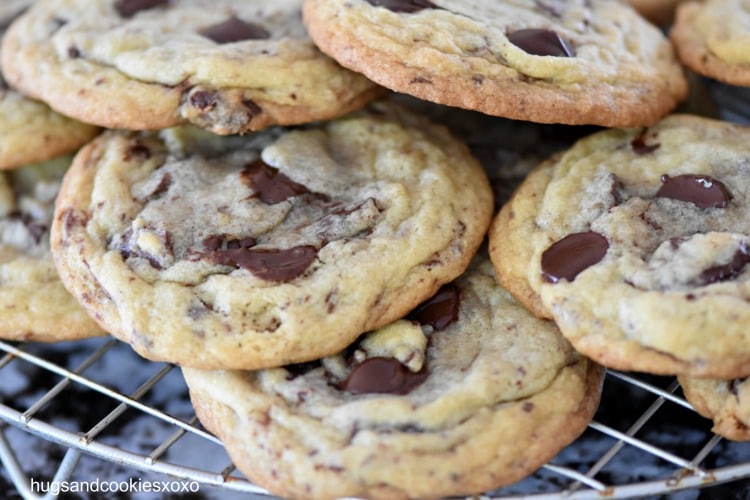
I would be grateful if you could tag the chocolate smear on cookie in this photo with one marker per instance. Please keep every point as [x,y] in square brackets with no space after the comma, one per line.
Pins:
[568,257]
[727,271]
[540,42]
[407,6]
[235,29]
[701,190]
[129,8]
[382,376]
[270,185]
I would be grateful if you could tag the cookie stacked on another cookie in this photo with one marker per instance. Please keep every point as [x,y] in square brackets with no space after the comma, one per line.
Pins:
[468,393]
[230,67]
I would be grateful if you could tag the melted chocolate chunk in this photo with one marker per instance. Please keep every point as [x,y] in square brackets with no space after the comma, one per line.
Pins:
[235,29]
[270,185]
[129,8]
[407,6]
[540,42]
[202,99]
[702,190]
[382,376]
[567,257]
[640,147]
[727,271]
[439,311]
[268,264]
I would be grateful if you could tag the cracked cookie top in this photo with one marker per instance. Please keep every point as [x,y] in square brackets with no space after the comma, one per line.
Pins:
[552,61]
[35,305]
[636,242]
[271,248]
[466,393]
[230,67]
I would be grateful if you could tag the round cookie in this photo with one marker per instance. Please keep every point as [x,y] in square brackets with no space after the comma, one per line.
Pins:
[635,242]
[262,250]
[468,393]
[581,62]
[723,401]
[35,306]
[227,66]
[713,39]
[29,130]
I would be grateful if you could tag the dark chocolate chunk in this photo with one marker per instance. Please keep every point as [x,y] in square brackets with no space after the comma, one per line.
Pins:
[382,376]
[129,8]
[270,185]
[640,147]
[202,99]
[298,369]
[540,42]
[74,52]
[439,311]
[235,29]
[252,107]
[407,6]
[268,264]
[567,257]
[726,271]
[702,190]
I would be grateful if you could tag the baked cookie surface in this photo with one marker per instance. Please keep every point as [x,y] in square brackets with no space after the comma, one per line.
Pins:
[226,66]
[635,242]
[468,393]
[580,62]
[726,402]
[35,306]
[713,39]
[277,247]
[29,130]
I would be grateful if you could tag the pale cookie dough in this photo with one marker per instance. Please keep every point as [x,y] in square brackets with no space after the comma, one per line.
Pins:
[468,393]
[34,305]
[227,66]
[575,62]
[726,402]
[29,130]
[713,39]
[636,242]
[277,247]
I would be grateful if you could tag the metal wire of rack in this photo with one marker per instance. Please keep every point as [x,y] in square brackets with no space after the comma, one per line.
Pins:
[583,470]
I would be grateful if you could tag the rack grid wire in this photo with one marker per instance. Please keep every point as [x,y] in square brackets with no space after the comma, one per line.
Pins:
[645,439]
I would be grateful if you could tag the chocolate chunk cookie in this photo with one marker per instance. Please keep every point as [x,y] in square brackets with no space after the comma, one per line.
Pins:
[29,130]
[723,401]
[636,242]
[711,38]
[229,67]
[272,248]
[574,62]
[467,393]
[35,306]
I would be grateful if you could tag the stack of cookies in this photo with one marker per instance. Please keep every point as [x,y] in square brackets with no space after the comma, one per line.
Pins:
[286,201]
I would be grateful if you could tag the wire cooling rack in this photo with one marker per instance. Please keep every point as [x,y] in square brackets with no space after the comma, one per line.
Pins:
[644,440]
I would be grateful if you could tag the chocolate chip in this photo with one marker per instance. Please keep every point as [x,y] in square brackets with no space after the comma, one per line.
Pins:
[727,271]
[269,264]
[235,29]
[137,150]
[298,369]
[439,311]
[162,187]
[702,190]
[540,42]
[407,6]
[202,99]
[732,385]
[640,147]
[567,257]
[129,8]
[382,376]
[270,185]
[252,106]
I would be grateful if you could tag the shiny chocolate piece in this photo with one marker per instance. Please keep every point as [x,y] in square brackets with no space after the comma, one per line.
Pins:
[727,271]
[540,42]
[382,376]
[567,257]
[439,311]
[129,8]
[270,185]
[235,29]
[701,190]
[268,264]
[640,147]
[407,6]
